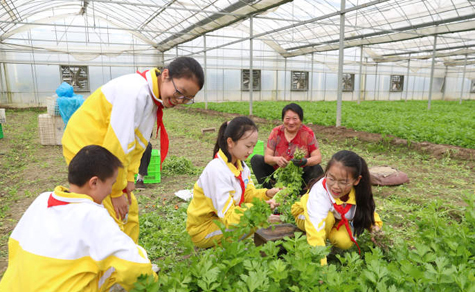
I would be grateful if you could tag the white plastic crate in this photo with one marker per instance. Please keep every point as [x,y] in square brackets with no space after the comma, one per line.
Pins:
[52,106]
[51,129]
[3,117]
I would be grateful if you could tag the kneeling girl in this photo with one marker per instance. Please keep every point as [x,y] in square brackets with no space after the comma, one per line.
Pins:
[225,185]
[340,205]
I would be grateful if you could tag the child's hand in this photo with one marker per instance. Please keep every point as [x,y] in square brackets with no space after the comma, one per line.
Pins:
[272,204]
[271,192]
[129,189]
[121,207]
[376,233]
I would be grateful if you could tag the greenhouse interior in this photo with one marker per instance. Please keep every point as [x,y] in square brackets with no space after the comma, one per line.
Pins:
[214,179]
[297,50]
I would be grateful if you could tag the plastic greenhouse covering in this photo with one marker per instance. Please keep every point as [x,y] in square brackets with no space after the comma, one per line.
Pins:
[393,50]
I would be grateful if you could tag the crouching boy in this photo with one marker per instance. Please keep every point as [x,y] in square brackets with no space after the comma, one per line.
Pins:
[67,241]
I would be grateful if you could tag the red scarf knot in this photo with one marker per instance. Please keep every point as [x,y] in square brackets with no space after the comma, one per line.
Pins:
[342,211]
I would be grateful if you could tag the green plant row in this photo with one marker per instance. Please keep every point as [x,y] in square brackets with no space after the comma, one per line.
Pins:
[442,259]
[447,122]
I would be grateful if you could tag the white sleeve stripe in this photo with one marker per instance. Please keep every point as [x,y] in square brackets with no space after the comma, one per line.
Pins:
[140,141]
[214,233]
[106,276]
[221,214]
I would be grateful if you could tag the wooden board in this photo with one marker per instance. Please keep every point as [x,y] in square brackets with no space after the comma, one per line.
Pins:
[275,232]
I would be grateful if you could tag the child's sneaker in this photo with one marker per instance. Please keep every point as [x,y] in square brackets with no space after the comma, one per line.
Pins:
[139,185]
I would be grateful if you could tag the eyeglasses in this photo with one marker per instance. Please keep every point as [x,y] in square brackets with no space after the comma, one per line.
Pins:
[181,97]
[342,184]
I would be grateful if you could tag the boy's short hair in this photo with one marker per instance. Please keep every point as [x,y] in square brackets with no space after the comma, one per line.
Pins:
[92,160]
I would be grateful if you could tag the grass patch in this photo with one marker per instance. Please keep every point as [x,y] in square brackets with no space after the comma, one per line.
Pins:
[447,122]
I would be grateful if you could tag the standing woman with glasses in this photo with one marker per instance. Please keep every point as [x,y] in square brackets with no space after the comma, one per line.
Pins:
[283,141]
[120,116]
[339,206]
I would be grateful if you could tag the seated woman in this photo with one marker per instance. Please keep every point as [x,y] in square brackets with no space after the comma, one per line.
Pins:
[281,146]
[225,185]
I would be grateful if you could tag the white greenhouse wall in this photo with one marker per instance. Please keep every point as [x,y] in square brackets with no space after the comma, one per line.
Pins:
[26,79]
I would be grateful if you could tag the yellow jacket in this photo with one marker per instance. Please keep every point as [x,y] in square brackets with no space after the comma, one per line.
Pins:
[119,116]
[71,247]
[217,193]
[317,204]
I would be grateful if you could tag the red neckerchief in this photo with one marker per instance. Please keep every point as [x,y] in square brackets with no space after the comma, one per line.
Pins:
[52,201]
[241,182]
[342,211]
[164,142]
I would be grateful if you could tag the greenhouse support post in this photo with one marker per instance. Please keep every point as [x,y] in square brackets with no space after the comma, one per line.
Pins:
[365,76]
[360,75]
[463,79]
[423,87]
[251,81]
[33,70]
[407,76]
[311,80]
[2,89]
[432,71]
[444,85]
[378,82]
[375,82]
[7,84]
[340,63]
[206,68]
[324,85]
[285,78]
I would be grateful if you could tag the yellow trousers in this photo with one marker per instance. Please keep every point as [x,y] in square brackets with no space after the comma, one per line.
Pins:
[130,225]
[208,236]
[211,235]
[338,238]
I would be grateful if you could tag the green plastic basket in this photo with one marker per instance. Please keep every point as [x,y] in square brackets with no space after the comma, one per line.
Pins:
[258,149]
[1,131]
[153,170]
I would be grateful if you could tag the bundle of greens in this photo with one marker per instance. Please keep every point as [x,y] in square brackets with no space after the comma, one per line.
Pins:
[290,179]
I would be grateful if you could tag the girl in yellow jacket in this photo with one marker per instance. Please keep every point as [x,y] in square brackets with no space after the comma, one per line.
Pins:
[120,116]
[225,185]
[340,205]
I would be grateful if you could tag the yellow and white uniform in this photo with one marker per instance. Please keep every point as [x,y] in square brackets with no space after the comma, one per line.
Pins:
[316,215]
[216,196]
[67,242]
[120,117]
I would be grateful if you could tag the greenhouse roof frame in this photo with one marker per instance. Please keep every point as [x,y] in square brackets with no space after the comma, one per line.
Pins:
[390,30]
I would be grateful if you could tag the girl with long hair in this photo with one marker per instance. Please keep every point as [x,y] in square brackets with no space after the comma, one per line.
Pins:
[339,206]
